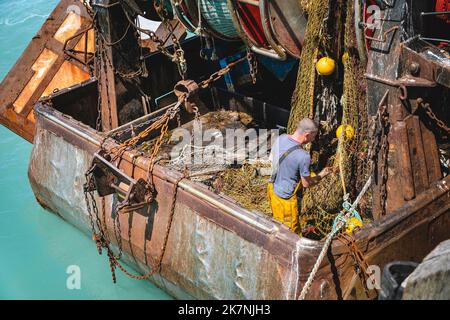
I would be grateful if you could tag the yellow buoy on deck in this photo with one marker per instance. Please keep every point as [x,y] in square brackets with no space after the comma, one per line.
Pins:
[349,131]
[325,66]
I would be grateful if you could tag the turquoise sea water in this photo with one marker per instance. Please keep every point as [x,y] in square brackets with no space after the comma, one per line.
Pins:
[37,247]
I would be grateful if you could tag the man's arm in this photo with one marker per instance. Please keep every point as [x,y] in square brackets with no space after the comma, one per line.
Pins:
[309,181]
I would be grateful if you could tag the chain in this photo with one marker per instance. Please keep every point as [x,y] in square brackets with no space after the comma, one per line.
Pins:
[432,115]
[378,129]
[360,261]
[253,64]
[101,68]
[178,55]
[117,230]
[99,228]
[88,8]
[89,185]
[162,122]
[98,122]
[374,145]
[101,238]
[384,149]
[219,74]
[104,57]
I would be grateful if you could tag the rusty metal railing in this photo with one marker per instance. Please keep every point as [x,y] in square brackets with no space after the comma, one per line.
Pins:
[87,57]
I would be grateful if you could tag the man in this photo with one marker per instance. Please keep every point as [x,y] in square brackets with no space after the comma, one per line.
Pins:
[290,164]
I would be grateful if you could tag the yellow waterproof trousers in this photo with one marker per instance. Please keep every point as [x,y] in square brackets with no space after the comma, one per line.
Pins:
[285,210]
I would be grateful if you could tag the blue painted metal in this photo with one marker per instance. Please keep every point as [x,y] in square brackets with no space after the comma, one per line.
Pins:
[218,17]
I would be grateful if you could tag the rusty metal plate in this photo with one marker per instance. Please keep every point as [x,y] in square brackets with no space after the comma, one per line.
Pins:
[288,22]
[43,67]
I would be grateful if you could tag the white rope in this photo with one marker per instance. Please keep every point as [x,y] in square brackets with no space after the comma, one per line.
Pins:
[198,30]
[340,223]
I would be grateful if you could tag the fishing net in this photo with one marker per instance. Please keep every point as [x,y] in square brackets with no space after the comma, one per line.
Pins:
[245,183]
[334,100]
[305,5]
[247,186]
[317,97]
[355,113]
[303,97]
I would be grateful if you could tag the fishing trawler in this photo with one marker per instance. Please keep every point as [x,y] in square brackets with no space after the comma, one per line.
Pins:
[94,86]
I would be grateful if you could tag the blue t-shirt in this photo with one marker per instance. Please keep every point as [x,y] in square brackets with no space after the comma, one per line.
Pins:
[293,167]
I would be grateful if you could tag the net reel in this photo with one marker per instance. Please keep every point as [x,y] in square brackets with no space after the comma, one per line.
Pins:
[286,21]
[206,17]
[250,19]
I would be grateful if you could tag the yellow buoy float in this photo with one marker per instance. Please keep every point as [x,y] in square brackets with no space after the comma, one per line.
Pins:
[325,66]
[353,223]
[345,57]
[349,131]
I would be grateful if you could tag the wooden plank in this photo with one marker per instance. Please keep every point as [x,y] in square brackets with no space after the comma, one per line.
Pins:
[404,160]
[432,154]
[417,154]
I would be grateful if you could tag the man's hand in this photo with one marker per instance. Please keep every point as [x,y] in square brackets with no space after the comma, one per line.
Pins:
[310,181]
[326,171]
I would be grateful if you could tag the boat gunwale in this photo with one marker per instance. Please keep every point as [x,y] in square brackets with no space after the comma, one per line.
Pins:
[363,237]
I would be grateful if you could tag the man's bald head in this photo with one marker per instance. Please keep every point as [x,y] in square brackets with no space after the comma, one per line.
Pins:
[307,125]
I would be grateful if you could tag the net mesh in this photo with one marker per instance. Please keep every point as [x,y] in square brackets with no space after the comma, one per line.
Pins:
[303,97]
[316,97]
[334,100]
[248,187]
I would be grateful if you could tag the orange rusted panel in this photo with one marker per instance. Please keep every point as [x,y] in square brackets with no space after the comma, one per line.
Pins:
[69,27]
[68,75]
[41,66]
[90,42]
[31,117]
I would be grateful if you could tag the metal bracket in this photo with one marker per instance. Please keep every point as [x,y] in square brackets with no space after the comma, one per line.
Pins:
[108,179]
[383,38]
[349,208]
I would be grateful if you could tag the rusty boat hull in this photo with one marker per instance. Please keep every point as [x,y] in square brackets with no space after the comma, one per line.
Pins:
[216,249]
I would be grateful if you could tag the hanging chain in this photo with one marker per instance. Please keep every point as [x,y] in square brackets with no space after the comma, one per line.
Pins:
[253,64]
[432,115]
[178,54]
[379,150]
[98,66]
[100,234]
[117,230]
[384,150]
[98,227]
[361,266]
[86,4]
